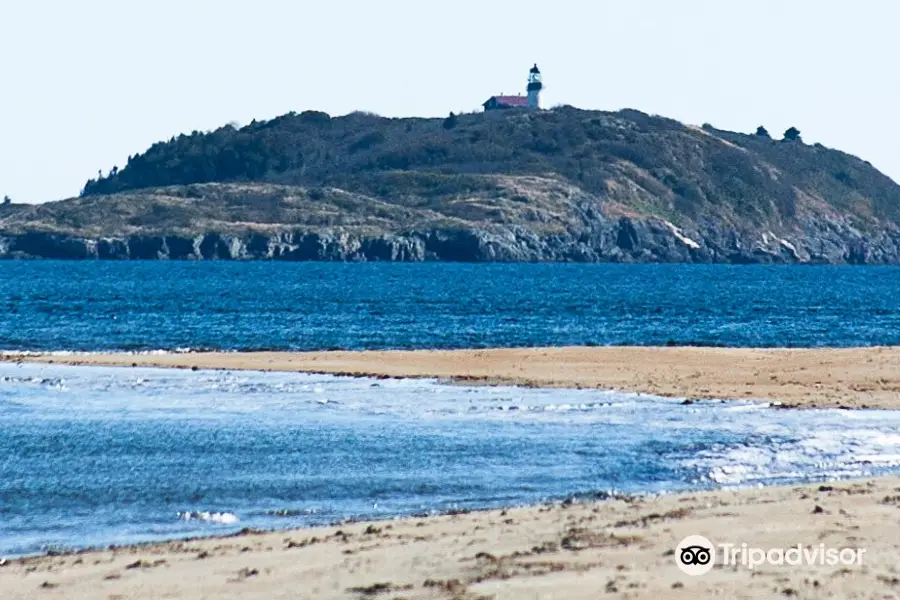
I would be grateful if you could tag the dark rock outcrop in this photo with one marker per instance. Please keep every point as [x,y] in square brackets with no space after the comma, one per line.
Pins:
[624,240]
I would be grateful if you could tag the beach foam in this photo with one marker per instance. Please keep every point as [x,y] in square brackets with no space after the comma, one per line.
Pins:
[221,518]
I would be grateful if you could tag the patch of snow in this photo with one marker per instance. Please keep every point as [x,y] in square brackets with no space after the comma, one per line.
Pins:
[783,242]
[681,237]
[788,245]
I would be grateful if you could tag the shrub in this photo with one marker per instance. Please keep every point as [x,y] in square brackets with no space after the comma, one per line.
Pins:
[450,122]
[792,135]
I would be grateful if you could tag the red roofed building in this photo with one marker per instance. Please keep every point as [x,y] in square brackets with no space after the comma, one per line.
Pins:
[497,102]
[532,100]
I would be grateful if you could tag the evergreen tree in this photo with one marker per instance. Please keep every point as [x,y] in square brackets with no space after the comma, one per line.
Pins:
[763,132]
[450,121]
[792,135]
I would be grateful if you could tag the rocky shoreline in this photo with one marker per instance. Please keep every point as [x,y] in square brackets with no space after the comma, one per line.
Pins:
[561,185]
[623,240]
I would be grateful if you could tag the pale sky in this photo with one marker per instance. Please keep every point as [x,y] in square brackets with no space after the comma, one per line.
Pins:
[85,83]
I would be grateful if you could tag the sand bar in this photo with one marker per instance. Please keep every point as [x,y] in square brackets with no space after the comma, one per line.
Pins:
[613,549]
[852,378]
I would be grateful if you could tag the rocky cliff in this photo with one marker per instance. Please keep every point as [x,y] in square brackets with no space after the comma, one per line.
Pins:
[623,241]
[563,185]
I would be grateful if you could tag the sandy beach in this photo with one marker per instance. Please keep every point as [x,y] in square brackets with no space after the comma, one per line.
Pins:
[807,378]
[619,548]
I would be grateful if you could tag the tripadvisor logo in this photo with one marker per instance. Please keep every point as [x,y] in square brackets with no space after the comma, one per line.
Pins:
[696,556]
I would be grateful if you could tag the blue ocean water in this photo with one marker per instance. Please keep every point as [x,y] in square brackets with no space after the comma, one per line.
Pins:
[94,456]
[49,305]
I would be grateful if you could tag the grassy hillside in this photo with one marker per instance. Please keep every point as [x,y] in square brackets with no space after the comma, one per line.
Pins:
[563,184]
[631,162]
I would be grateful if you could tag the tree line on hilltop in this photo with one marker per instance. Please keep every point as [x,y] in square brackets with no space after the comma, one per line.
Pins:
[429,158]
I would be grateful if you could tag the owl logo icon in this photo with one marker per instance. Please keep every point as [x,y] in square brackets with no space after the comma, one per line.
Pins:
[695,555]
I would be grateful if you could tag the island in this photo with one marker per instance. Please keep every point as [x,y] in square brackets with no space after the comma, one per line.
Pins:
[557,185]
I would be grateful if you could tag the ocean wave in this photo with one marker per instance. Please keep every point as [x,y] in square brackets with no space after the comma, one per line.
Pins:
[12,354]
[292,512]
[57,383]
[220,518]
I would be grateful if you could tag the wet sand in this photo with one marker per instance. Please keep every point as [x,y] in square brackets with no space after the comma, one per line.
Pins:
[620,548]
[807,378]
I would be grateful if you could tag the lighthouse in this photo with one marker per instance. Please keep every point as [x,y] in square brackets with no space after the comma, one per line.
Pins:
[535,85]
[532,101]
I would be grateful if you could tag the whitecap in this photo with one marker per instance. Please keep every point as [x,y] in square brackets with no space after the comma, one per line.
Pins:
[221,518]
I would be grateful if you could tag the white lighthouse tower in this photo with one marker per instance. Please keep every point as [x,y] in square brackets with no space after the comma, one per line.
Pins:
[535,85]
